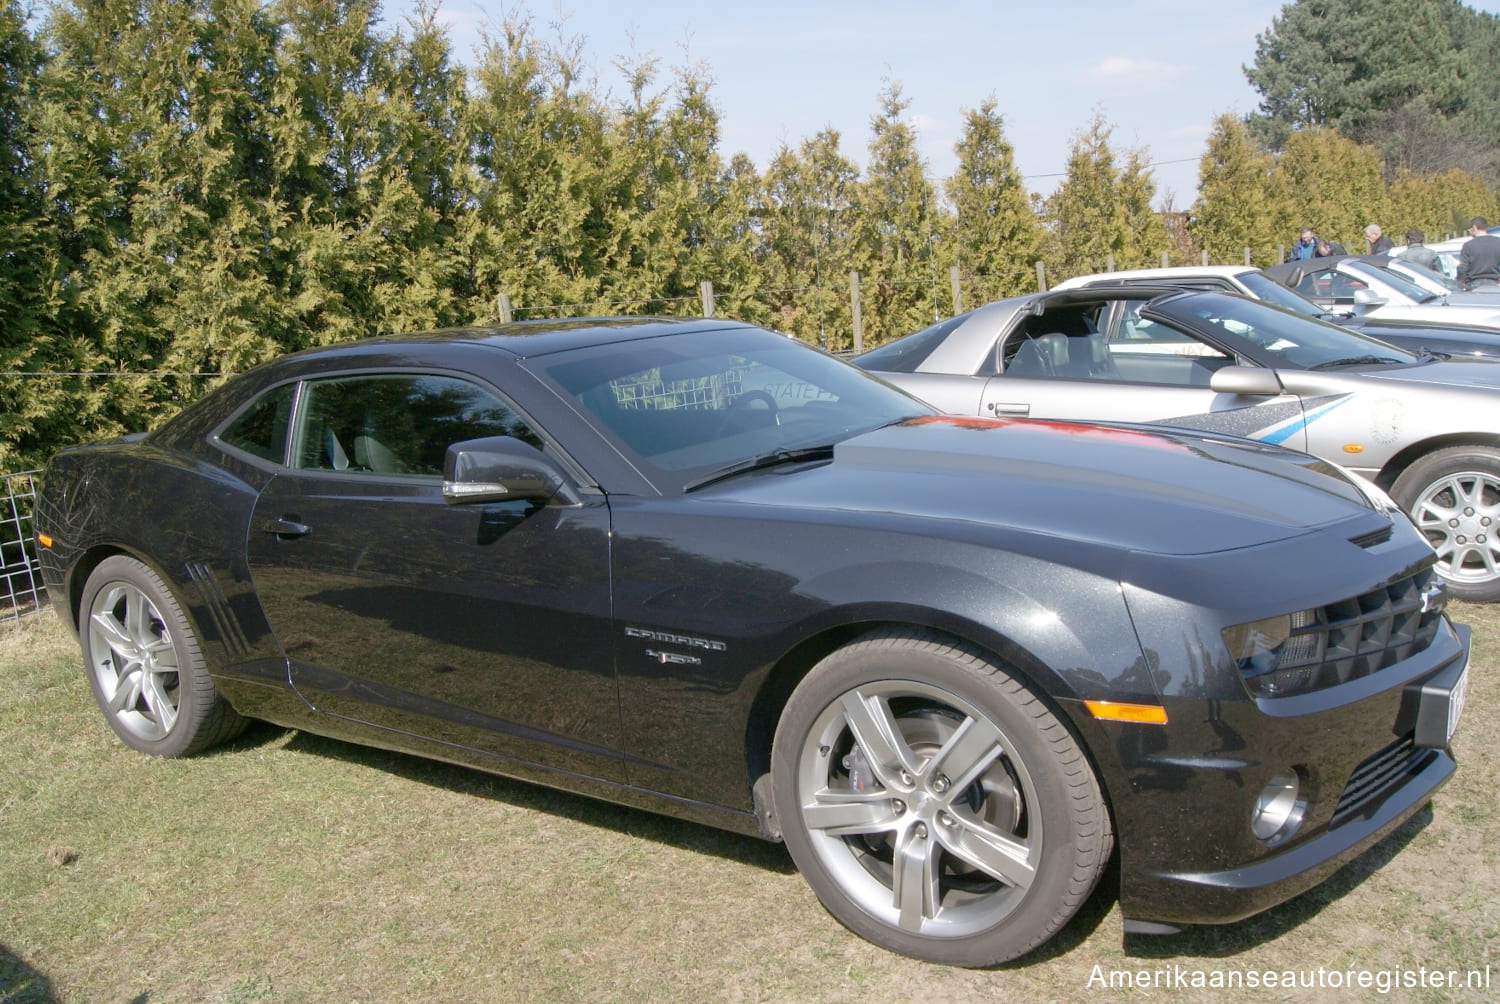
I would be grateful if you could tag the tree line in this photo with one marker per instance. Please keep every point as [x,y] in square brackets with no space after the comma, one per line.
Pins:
[190,187]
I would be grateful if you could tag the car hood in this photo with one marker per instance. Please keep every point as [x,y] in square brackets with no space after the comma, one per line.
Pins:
[1128,487]
[1471,374]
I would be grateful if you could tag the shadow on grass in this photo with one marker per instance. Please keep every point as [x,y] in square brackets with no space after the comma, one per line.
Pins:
[1205,941]
[1222,940]
[21,984]
[668,830]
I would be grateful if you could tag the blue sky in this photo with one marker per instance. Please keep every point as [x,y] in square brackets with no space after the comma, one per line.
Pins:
[1159,71]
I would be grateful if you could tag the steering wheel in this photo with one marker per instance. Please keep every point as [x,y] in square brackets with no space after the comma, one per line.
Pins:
[740,411]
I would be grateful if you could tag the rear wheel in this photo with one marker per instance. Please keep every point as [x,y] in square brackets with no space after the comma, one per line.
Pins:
[145,666]
[1453,496]
[934,803]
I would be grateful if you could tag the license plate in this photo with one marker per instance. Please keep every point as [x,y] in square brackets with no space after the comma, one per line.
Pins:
[1456,701]
[1440,702]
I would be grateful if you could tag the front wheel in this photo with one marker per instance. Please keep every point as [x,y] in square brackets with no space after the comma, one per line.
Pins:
[934,803]
[145,666]
[1453,496]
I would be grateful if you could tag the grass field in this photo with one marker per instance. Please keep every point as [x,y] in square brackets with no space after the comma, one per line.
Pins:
[292,868]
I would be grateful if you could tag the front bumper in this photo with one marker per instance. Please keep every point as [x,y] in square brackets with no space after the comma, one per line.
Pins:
[1198,863]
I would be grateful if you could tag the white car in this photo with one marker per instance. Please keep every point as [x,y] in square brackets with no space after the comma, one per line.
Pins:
[1363,287]
[1438,284]
[1449,339]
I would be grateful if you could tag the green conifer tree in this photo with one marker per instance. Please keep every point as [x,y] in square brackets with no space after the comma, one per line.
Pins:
[1239,204]
[995,236]
[902,228]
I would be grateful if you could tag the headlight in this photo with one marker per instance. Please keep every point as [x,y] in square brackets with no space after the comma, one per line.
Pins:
[1281,642]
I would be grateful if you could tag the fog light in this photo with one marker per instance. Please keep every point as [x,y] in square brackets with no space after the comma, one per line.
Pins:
[1279,809]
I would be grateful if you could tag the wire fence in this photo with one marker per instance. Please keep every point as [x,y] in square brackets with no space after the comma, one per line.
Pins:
[24,594]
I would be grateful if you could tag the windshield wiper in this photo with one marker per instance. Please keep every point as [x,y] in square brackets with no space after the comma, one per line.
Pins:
[1355,361]
[773,459]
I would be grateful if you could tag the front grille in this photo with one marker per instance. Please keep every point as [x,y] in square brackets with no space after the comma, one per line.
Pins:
[1374,778]
[1354,638]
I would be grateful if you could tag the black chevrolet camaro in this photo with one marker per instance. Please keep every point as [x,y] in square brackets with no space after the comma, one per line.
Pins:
[698,567]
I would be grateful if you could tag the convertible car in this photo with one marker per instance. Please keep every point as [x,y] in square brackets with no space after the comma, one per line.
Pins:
[701,568]
[1420,427]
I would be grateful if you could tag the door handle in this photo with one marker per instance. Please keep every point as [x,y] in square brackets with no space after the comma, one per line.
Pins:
[286,528]
[1009,409]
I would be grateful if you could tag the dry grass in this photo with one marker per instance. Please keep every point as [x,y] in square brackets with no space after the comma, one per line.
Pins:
[293,868]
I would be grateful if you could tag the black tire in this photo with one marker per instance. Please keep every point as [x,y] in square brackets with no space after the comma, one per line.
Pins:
[145,666]
[1002,855]
[1453,496]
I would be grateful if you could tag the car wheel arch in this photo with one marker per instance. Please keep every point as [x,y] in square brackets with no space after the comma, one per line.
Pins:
[90,559]
[1410,454]
[788,671]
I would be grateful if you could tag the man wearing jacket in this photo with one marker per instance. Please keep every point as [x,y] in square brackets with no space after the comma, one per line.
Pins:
[1479,259]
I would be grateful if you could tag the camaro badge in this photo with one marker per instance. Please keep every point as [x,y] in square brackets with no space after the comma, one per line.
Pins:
[667,638]
[1435,596]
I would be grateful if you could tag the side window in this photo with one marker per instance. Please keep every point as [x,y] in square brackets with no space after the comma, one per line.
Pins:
[397,423]
[1146,351]
[260,430]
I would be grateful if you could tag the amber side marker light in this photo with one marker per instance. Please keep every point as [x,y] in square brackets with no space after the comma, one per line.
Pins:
[44,540]
[1111,711]
[1353,448]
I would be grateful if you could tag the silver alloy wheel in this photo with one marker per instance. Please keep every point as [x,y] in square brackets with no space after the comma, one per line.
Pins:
[134,661]
[920,807]
[1460,516]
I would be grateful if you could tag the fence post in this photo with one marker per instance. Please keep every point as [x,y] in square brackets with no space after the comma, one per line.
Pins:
[958,292]
[706,294]
[1205,259]
[1109,262]
[859,326]
[502,307]
[1247,257]
[1165,262]
[1281,252]
[1041,278]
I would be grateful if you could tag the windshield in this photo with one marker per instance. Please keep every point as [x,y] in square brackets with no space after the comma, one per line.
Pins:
[1396,281]
[1435,282]
[1276,337]
[1263,288]
[682,407]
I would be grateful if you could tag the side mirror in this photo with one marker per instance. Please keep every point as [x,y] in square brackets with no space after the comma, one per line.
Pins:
[1368,298]
[502,469]
[1252,381]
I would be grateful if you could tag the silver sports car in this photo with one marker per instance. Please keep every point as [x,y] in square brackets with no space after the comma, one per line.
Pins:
[1424,429]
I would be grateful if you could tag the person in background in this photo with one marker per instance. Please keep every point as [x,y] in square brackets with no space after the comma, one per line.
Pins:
[1306,246]
[1419,254]
[1479,259]
[1379,242]
[1328,249]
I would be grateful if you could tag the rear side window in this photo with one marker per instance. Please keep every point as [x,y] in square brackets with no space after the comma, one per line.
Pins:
[260,430]
[397,423]
[904,355]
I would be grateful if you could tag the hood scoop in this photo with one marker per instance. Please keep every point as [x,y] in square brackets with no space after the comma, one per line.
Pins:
[1374,538]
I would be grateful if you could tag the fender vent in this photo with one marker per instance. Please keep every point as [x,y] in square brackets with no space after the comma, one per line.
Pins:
[1372,538]
[225,624]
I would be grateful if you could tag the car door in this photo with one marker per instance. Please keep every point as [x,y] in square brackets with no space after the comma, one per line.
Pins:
[484,626]
[1122,367]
